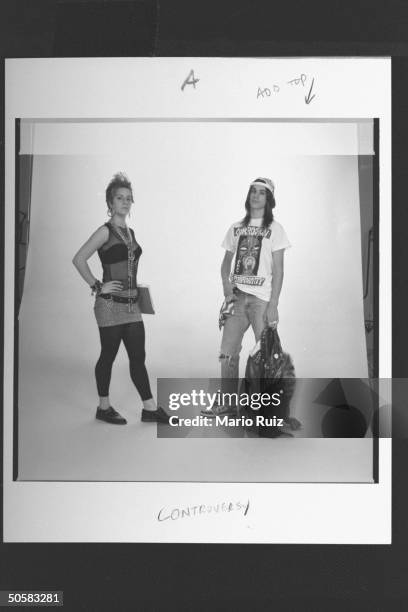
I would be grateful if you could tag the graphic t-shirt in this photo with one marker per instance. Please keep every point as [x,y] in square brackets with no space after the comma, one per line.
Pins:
[252,267]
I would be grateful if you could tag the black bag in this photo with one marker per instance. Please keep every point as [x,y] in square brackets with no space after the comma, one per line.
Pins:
[270,370]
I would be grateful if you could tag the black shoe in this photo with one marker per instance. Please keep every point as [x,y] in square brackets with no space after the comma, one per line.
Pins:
[110,416]
[157,416]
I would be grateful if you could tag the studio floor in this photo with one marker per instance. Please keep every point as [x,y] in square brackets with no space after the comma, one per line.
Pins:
[60,440]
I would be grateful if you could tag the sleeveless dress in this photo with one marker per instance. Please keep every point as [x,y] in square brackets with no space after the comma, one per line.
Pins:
[114,258]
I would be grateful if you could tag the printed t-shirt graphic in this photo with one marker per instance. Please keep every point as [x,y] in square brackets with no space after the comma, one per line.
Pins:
[253,247]
[248,254]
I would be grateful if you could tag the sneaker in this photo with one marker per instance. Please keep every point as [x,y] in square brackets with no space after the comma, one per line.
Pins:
[157,416]
[110,416]
[220,411]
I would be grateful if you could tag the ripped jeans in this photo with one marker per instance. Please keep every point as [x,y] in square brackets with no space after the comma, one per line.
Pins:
[248,310]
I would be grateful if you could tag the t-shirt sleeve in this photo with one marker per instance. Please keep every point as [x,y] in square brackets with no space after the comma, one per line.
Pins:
[230,242]
[279,238]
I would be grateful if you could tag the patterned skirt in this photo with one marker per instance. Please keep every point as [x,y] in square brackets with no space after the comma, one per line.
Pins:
[108,313]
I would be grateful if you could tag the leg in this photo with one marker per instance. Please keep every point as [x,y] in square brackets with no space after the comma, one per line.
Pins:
[256,311]
[134,341]
[110,341]
[231,344]
[234,328]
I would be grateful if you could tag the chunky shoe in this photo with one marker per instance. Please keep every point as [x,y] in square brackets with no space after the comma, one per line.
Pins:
[220,411]
[157,416]
[110,416]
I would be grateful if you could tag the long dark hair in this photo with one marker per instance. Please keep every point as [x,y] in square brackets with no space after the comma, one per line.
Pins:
[269,206]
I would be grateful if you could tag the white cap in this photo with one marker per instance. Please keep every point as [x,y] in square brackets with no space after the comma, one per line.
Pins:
[265,182]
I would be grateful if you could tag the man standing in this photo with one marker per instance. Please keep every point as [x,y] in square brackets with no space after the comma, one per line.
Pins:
[255,248]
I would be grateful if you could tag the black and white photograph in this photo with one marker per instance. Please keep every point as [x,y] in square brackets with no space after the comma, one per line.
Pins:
[189,250]
[167,206]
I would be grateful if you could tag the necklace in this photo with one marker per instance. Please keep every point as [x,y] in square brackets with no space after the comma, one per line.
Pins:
[127,239]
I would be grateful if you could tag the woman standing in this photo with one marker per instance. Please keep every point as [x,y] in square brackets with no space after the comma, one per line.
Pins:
[116,309]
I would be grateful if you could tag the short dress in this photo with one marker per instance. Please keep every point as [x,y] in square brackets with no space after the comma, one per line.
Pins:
[114,258]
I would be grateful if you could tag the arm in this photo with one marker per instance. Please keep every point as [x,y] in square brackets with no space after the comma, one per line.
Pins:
[86,251]
[225,272]
[271,312]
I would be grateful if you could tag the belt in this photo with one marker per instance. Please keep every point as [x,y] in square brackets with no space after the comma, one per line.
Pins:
[117,298]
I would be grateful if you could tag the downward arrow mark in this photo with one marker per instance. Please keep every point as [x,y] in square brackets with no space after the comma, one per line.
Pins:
[308,99]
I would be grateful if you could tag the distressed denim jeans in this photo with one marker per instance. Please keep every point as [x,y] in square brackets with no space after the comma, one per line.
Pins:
[248,310]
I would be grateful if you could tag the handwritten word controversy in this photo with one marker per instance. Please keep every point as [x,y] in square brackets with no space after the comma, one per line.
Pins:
[174,514]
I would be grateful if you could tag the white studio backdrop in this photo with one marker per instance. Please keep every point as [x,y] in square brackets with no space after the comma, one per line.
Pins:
[188,188]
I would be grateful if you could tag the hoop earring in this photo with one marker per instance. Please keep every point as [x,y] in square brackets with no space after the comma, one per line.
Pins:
[109,212]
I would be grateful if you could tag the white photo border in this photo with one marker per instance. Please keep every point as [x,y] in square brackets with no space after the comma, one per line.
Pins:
[277,512]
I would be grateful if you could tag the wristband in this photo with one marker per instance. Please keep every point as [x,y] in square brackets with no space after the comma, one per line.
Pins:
[96,288]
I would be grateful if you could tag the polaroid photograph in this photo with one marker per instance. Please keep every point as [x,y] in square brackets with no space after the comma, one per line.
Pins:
[198,300]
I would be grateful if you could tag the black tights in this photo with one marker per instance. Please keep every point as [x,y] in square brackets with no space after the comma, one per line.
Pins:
[133,336]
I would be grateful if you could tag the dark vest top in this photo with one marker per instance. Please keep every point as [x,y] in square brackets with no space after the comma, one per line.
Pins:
[114,258]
